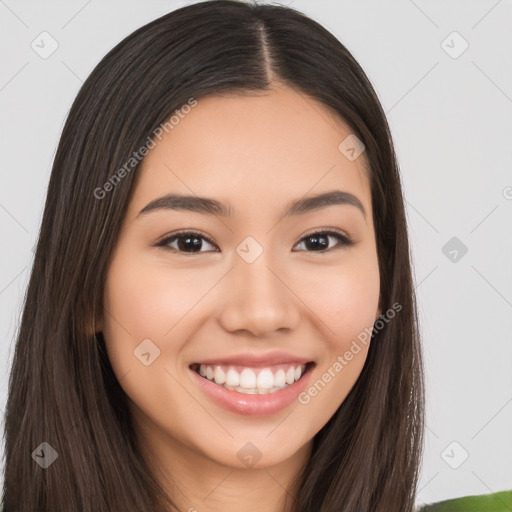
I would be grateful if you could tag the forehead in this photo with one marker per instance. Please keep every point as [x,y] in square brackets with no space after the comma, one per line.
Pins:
[252,151]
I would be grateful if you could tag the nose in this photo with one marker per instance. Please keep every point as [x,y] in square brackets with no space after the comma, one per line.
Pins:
[258,299]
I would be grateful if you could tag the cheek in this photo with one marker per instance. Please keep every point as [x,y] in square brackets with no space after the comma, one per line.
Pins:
[347,304]
[148,300]
[355,303]
[143,302]
[345,300]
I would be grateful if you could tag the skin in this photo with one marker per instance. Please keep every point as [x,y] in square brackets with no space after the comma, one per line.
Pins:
[256,153]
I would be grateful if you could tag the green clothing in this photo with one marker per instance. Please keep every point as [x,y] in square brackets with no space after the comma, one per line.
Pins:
[497,502]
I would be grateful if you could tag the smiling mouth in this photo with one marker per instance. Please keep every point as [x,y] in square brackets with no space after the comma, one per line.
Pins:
[251,380]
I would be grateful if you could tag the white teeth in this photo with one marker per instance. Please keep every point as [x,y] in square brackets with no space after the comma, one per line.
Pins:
[265,379]
[279,378]
[256,391]
[247,391]
[247,381]
[219,375]
[232,378]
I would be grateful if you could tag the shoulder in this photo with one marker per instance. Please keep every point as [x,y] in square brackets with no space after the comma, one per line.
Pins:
[496,502]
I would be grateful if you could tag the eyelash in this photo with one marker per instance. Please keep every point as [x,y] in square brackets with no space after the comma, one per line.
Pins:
[344,241]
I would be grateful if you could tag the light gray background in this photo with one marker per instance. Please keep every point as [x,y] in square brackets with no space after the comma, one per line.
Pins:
[452,125]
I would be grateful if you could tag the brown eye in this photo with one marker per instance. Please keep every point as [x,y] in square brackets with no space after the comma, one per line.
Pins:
[191,242]
[186,242]
[319,241]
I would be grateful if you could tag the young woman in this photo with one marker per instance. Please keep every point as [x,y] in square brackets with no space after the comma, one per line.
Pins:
[220,314]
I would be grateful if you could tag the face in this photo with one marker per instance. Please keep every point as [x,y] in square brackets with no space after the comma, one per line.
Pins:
[244,287]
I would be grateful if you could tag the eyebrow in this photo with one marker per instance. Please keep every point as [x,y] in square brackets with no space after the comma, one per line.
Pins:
[210,206]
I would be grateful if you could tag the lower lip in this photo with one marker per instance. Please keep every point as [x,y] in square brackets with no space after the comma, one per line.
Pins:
[253,405]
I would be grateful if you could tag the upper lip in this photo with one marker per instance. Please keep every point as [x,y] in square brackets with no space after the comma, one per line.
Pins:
[256,360]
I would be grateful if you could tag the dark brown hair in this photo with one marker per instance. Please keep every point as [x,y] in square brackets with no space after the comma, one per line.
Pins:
[62,389]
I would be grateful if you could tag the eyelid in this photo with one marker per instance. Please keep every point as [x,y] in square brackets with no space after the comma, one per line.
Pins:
[166,238]
[343,240]
[327,230]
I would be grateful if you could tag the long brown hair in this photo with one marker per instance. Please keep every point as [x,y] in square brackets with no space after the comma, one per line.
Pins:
[62,389]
